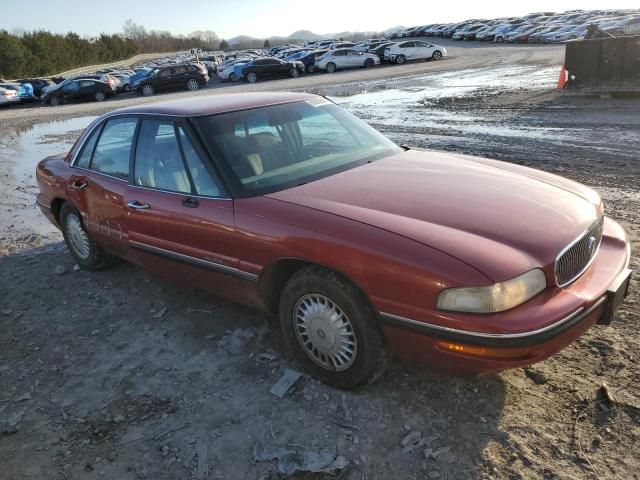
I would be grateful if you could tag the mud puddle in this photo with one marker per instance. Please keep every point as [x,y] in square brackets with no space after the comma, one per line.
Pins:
[20,151]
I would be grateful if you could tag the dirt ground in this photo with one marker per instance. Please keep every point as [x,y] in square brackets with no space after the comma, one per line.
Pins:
[123,375]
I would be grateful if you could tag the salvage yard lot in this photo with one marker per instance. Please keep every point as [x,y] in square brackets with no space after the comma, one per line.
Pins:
[120,374]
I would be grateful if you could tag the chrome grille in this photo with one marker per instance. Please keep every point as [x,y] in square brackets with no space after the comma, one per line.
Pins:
[576,257]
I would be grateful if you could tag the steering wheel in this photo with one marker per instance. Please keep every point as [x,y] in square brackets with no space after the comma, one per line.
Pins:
[321,147]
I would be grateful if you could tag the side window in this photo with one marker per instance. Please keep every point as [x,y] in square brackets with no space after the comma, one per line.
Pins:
[86,83]
[158,163]
[71,87]
[112,153]
[84,158]
[165,73]
[202,181]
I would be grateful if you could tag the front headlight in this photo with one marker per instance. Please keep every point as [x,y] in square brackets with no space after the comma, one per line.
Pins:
[494,298]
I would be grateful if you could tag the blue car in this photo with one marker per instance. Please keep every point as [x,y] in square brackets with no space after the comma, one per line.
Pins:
[139,76]
[309,59]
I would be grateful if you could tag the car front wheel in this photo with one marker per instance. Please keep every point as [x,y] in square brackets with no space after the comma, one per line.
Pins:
[437,55]
[331,67]
[83,249]
[148,90]
[400,59]
[100,97]
[331,329]
[294,72]
[252,77]
[369,63]
[54,101]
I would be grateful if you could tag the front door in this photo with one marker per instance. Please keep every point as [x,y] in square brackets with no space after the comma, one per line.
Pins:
[180,221]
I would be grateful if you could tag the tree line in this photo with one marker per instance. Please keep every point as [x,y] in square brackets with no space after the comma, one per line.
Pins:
[42,53]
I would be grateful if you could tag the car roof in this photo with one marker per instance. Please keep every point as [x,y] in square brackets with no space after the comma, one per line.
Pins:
[214,104]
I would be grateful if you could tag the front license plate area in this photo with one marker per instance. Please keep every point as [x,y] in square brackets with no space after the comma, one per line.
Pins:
[616,293]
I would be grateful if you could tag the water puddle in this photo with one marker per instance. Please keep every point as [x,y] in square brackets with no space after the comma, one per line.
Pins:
[20,152]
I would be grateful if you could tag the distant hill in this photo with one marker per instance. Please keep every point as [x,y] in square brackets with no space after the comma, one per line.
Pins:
[304,35]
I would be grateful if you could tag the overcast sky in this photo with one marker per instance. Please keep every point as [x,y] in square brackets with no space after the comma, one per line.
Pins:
[266,18]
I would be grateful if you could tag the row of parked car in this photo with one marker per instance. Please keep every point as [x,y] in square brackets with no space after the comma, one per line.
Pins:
[323,55]
[542,27]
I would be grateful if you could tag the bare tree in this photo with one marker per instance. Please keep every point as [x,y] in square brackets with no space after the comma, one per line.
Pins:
[133,31]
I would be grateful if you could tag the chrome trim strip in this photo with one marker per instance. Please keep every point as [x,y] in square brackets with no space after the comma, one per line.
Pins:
[100,173]
[568,247]
[43,205]
[195,261]
[487,338]
[178,193]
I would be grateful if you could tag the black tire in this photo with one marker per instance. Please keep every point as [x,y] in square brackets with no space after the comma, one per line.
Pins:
[311,69]
[127,88]
[54,101]
[369,63]
[252,77]
[331,67]
[294,73]
[400,59]
[100,96]
[147,90]
[97,258]
[233,77]
[500,40]
[437,55]
[372,354]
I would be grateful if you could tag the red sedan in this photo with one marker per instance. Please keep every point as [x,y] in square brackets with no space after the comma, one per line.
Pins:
[288,203]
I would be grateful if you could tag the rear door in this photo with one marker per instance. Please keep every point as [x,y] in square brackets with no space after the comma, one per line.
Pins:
[180,219]
[103,177]
[409,50]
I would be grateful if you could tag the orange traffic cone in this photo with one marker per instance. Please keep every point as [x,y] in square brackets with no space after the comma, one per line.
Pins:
[562,81]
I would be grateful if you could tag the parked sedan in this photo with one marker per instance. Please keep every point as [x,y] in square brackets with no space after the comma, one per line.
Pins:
[413,50]
[345,58]
[78,90]
[309,60]
[290,204]
[264,68]
[8,96]
[175,77]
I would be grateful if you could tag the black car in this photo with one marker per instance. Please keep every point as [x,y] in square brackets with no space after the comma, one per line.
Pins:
[174,77]
[80,89]
[271,67]
[379,50]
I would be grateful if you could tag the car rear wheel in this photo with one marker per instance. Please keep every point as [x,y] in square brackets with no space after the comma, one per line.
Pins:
[148,90]
[331,67]
[294,72]
[437,55]
[83,249]
[400,59]
[252,77]
[193,85]
[369,63]
[100,97]
[331,329]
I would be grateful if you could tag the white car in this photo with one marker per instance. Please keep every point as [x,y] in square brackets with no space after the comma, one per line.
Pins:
[345,58]
[226,70]
[413,50]
[8,96]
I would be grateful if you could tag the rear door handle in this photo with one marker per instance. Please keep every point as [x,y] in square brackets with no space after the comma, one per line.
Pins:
[137,205]
[79,185]
[190,202]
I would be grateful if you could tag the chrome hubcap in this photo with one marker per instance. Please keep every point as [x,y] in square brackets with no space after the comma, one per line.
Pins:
[147,90]
[192,84]
[78,238]
[325,332]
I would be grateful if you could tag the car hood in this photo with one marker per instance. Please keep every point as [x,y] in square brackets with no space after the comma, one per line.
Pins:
[501,218]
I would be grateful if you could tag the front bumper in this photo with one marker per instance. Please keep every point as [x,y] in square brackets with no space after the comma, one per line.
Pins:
[533,331]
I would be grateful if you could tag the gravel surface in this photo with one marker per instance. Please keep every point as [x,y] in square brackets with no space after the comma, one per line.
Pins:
[120,374]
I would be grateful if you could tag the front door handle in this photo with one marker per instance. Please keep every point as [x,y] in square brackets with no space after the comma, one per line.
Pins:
[137,205]
[79,185]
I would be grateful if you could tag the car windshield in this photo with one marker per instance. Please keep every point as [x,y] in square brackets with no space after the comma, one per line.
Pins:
[268,149]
